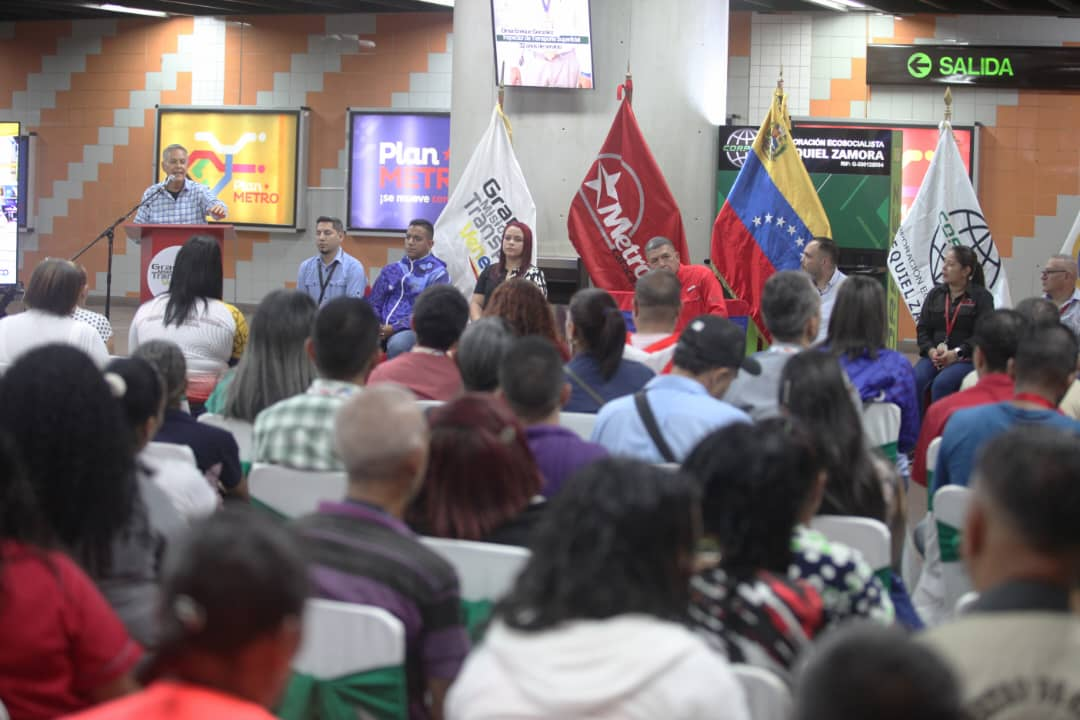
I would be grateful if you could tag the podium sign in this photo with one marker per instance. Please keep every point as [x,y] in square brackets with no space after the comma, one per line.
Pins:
[158,246]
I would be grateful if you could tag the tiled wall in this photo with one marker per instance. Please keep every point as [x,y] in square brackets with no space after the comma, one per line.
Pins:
[88,89]
[1029,174]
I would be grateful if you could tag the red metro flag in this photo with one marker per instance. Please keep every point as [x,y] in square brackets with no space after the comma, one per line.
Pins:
[622,203]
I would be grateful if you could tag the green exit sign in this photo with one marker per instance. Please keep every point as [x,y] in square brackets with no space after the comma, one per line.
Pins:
[980,65]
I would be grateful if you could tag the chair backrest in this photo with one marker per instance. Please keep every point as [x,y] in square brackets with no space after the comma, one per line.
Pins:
[242,431]
[950,508]
[581,423]
[870,537]
[171,451]
[428,404]
[486,571]
[291,492]
[342,638]
[767,697]
[881,424]
[932,452]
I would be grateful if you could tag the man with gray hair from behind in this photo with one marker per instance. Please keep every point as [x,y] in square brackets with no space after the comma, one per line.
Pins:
[792,310]
[360,550]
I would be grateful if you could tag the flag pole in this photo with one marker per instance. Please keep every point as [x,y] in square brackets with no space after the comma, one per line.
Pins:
[627,87]
[502,84]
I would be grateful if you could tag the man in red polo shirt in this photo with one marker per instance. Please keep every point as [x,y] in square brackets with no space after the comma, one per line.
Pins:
[701,291]
[997,336]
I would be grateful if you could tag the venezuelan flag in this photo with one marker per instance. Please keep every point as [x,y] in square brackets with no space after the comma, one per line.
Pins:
[770,214]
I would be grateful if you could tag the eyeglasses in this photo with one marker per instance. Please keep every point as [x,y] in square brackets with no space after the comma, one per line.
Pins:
[1044,273]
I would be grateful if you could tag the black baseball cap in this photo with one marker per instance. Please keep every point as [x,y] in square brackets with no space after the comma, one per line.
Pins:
[716,342]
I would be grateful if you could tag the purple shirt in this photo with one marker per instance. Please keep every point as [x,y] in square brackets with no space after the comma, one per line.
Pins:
[559,453]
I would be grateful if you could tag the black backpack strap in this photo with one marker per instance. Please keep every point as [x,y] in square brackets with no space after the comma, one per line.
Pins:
[647,417]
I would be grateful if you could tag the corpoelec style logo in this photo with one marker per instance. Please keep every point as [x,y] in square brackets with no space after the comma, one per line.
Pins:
[919,65]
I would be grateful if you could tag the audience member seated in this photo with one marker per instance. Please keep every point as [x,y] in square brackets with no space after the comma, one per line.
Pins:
[526,309]
[400,284]
[216,453]
[814,390]
[790,306]
[866,671]
[856,337]
[143,400]
[1059,287]
[997,335]
[596,624]
[482,482]
[361,551]
[479,353]
[1017,647]
[685,405]
[755,478]
[275,364]
[50,299]
[63,647]
[598,372]
[211,333]
[1040,312]
[232,602]
[80,458]
[515,262]
[657,306]
[701,293]
[298,432]
[947,322]
[439,317]
[94,319]
[531,381]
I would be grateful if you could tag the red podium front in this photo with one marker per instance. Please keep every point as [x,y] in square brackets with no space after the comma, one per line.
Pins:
[158,247]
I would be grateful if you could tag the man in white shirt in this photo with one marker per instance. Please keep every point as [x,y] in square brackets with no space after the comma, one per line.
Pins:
[1059,287]
[819,260]
[657,306]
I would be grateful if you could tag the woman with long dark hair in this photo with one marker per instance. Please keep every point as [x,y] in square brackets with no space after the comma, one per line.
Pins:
[757,479]
[63,647]
[598,372]
[595,625]
[482,482]
[80,458]
[947,322]
[191,314]
[515,261]
[275,364]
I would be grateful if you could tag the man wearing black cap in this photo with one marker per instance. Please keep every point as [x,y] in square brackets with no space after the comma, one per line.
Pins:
[666,419]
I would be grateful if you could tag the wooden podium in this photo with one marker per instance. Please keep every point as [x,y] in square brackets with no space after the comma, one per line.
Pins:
[158,246]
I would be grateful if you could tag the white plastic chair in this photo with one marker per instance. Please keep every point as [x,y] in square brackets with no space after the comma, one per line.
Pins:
[963,605]
[917,507]
[242,431]
[291,492]
[950,509]
[428,404]
[581,423]
[486,571]
[881,425]
[767,697]
[870,537]
[171,451]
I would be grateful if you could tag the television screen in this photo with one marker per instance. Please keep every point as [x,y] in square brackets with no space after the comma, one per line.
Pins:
[10,155]
[399,168]
[543,43]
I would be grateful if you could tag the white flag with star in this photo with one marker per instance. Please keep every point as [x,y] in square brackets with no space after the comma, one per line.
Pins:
[490,193]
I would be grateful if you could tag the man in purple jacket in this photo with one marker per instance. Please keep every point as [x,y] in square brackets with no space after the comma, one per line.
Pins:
[398,286]
[532,382]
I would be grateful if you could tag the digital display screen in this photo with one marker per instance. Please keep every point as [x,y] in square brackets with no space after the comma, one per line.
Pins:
[12,153]
[543,43]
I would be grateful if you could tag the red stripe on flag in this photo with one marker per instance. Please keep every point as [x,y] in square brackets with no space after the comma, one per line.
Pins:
[743,264]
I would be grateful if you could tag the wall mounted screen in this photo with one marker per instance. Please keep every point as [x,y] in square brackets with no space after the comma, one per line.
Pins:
[543,43]
[12,198]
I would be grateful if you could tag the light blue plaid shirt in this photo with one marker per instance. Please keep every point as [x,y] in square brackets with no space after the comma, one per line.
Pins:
[190,207]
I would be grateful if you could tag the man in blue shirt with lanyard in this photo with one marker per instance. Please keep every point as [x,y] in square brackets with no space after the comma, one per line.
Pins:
[332,273]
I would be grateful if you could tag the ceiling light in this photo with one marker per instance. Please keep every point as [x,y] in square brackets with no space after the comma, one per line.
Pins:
[444,3]
[830,4]
[109,7]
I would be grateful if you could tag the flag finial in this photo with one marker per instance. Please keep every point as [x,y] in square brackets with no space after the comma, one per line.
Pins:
[948,104]
[627,86]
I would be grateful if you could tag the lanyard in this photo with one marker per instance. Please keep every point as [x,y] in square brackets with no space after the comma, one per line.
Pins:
[950,322]
[1035,400]
[1066,306]
[323,284]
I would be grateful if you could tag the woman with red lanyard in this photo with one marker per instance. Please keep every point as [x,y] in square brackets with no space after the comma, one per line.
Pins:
[946,324]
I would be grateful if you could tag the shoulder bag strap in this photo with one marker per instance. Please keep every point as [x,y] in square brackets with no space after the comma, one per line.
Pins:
[597,397]
[647,417]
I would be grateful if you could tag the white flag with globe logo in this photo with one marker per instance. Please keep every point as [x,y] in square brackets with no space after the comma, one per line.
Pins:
[946,212]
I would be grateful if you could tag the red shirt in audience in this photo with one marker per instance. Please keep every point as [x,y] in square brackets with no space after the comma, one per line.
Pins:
[177,701]
[59,639]
[431,375]
[991,388]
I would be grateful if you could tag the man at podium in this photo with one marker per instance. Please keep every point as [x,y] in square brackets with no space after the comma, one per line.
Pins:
[179,200]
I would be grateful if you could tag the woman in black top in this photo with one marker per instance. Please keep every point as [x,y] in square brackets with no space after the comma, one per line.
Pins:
[947,322]
[515,260]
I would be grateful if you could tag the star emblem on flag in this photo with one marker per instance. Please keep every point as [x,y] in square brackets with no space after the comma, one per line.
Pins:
[609,182]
